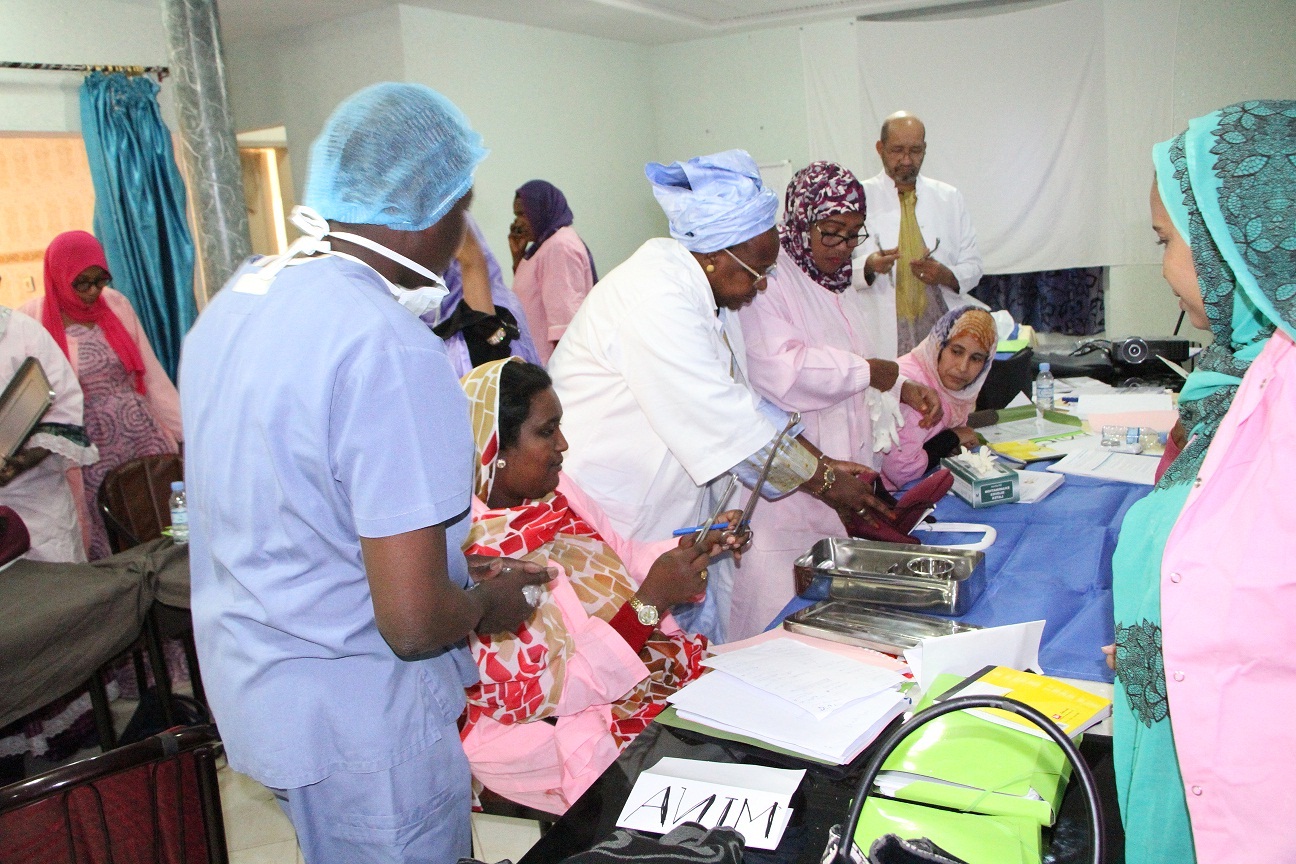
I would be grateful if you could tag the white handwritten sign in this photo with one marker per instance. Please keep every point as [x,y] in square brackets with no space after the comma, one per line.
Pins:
[751,799]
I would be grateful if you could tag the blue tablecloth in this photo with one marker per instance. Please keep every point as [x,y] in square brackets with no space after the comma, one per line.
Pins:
[1052,561]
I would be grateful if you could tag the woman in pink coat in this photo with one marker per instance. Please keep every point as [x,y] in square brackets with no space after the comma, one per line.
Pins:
[808,351]
[954,360]
[131,407]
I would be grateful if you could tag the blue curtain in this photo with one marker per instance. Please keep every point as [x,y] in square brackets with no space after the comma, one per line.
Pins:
[139,214]
[1051,301]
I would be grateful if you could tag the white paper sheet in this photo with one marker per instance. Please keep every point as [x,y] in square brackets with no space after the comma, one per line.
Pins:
[751,799]
[812,679]
[1014,645]
[1106,465]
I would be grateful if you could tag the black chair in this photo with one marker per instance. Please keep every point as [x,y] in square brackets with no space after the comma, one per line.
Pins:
[154,801]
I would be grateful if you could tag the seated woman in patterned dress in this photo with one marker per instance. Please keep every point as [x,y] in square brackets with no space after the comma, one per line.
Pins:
[596,661]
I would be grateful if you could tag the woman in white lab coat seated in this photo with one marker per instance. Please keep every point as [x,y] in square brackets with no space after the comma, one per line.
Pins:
[652,374]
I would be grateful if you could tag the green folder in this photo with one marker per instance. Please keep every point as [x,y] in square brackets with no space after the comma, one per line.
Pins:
[963,762]
[973,838]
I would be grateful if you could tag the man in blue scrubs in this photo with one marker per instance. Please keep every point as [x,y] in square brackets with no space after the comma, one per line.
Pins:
[329,465]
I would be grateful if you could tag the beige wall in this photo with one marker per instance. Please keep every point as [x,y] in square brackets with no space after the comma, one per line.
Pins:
[45,190]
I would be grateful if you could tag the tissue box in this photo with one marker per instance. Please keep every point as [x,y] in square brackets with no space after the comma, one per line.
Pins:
[1001,487]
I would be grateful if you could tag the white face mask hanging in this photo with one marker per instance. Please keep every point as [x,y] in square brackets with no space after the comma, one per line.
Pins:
[315,228]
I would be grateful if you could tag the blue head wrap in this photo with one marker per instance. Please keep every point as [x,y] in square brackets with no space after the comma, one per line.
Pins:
[392,154]
[713,202]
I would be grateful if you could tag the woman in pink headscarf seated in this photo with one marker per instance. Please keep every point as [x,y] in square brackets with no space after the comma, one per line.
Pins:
[953,360]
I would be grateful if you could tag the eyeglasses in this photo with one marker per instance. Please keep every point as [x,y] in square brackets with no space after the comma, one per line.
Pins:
[771,270]
[832,240]
[79,284]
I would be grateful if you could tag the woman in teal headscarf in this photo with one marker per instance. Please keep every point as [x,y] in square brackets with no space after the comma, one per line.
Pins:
[1224,206]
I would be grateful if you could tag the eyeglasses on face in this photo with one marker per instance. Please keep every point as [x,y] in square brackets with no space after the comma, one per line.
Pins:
[83,284]
[771,270]
[852,240]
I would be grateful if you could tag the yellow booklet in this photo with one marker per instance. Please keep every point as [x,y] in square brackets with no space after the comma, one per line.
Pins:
[1072,709]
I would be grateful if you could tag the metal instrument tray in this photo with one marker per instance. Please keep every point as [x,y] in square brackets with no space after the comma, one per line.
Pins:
[936,579]
[888,630]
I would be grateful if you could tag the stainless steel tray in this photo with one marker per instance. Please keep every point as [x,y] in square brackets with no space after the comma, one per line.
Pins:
[934,579]
[887,630]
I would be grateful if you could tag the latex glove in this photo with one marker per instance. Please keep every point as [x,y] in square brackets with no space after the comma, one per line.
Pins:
[884,412]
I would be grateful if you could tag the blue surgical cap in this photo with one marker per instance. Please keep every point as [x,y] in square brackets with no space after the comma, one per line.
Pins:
[392,154]
[713,202]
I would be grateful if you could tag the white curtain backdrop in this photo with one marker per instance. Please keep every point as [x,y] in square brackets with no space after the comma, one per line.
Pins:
[1043,118]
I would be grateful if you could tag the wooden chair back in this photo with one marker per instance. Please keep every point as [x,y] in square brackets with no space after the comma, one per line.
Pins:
[155,801]
[134,499]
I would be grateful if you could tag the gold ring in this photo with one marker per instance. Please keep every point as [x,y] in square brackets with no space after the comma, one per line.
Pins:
[703,574]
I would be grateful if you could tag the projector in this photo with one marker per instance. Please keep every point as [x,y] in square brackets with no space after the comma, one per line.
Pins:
[1135,350]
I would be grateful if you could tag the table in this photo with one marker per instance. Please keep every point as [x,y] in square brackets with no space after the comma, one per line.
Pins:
[1051,561]
[61,622]
[819,803]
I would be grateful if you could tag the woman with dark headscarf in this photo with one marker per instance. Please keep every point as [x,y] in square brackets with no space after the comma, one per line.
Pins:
[553,269]
[807,351]
[1205,652]
[131,407]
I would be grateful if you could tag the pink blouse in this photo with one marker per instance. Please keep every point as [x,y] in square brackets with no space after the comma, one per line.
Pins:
[1228,616]
[807,351]
[551,286]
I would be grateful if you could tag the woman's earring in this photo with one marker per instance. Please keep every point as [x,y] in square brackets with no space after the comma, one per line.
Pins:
[500,463]
[710,268]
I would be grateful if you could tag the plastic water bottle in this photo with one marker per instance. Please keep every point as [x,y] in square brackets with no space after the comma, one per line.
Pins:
[179,514]
[1044,388]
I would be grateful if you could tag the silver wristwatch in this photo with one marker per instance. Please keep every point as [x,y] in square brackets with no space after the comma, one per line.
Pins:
[648,615]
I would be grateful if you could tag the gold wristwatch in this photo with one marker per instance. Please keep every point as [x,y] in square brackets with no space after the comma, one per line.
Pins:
[829,478]
[648,615]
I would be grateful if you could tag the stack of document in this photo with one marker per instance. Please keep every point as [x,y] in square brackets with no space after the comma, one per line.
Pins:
[795,697]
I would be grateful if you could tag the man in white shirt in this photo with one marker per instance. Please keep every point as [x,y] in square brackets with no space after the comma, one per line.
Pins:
[921,256]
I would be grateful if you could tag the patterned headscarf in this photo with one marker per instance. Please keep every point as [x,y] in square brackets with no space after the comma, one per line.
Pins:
[67,256]
[924,359]
[819,190]
[522,675]
[1229,185]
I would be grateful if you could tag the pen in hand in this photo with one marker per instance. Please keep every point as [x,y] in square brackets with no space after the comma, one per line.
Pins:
[693,529]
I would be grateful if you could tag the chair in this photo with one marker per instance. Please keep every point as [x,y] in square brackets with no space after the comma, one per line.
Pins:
[134,499]
[154,801]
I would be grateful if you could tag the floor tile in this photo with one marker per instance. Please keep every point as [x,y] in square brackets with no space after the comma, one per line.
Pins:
[498,837]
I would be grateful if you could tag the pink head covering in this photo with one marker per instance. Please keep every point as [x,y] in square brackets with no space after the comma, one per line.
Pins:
[921,363]
[67,257]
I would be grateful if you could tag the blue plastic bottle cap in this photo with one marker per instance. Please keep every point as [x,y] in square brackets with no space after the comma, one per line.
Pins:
[1045,367]
[177,486]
